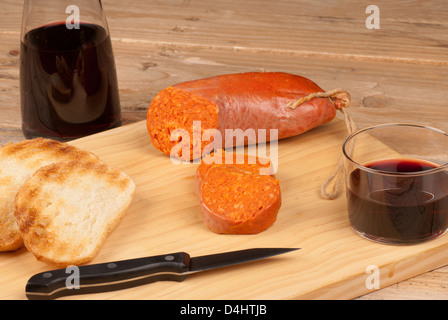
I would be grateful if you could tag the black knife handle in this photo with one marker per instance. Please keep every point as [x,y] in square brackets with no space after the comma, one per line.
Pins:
[107,276]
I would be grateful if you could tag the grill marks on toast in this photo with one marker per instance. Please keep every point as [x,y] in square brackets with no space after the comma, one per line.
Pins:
[62,202]
[68,218]
[18,161]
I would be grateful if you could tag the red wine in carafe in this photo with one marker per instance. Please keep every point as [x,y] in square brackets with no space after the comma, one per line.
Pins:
[405,208]
[68,82]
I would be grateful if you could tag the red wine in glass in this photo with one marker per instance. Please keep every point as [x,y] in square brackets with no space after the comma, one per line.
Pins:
[68,82]
[405,207]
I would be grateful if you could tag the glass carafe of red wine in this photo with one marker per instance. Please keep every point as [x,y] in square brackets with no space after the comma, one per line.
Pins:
[68,79]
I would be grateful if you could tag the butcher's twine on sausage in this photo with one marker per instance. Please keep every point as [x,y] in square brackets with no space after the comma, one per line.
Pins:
[339,171]
[341,99]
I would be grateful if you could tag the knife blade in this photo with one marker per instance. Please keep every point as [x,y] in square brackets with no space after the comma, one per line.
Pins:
[129,273]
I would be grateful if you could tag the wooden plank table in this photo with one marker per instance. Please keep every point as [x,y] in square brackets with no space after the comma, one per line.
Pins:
[396,73]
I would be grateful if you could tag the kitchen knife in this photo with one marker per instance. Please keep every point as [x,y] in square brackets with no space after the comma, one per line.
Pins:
[134,272]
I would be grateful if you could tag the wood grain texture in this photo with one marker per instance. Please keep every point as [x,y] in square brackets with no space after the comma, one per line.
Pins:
[164,217]
[397,73]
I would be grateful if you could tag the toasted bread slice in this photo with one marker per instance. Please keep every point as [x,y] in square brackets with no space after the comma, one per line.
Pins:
[18,161]
[66,210]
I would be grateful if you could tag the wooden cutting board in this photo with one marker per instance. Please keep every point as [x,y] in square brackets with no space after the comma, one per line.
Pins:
[164,218]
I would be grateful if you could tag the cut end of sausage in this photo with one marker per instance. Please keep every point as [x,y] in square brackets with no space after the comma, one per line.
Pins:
[170,120]
[236,201]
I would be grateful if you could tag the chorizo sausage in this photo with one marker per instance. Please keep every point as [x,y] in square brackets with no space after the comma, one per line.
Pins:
[235,201]
[254,164]
[253,100]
